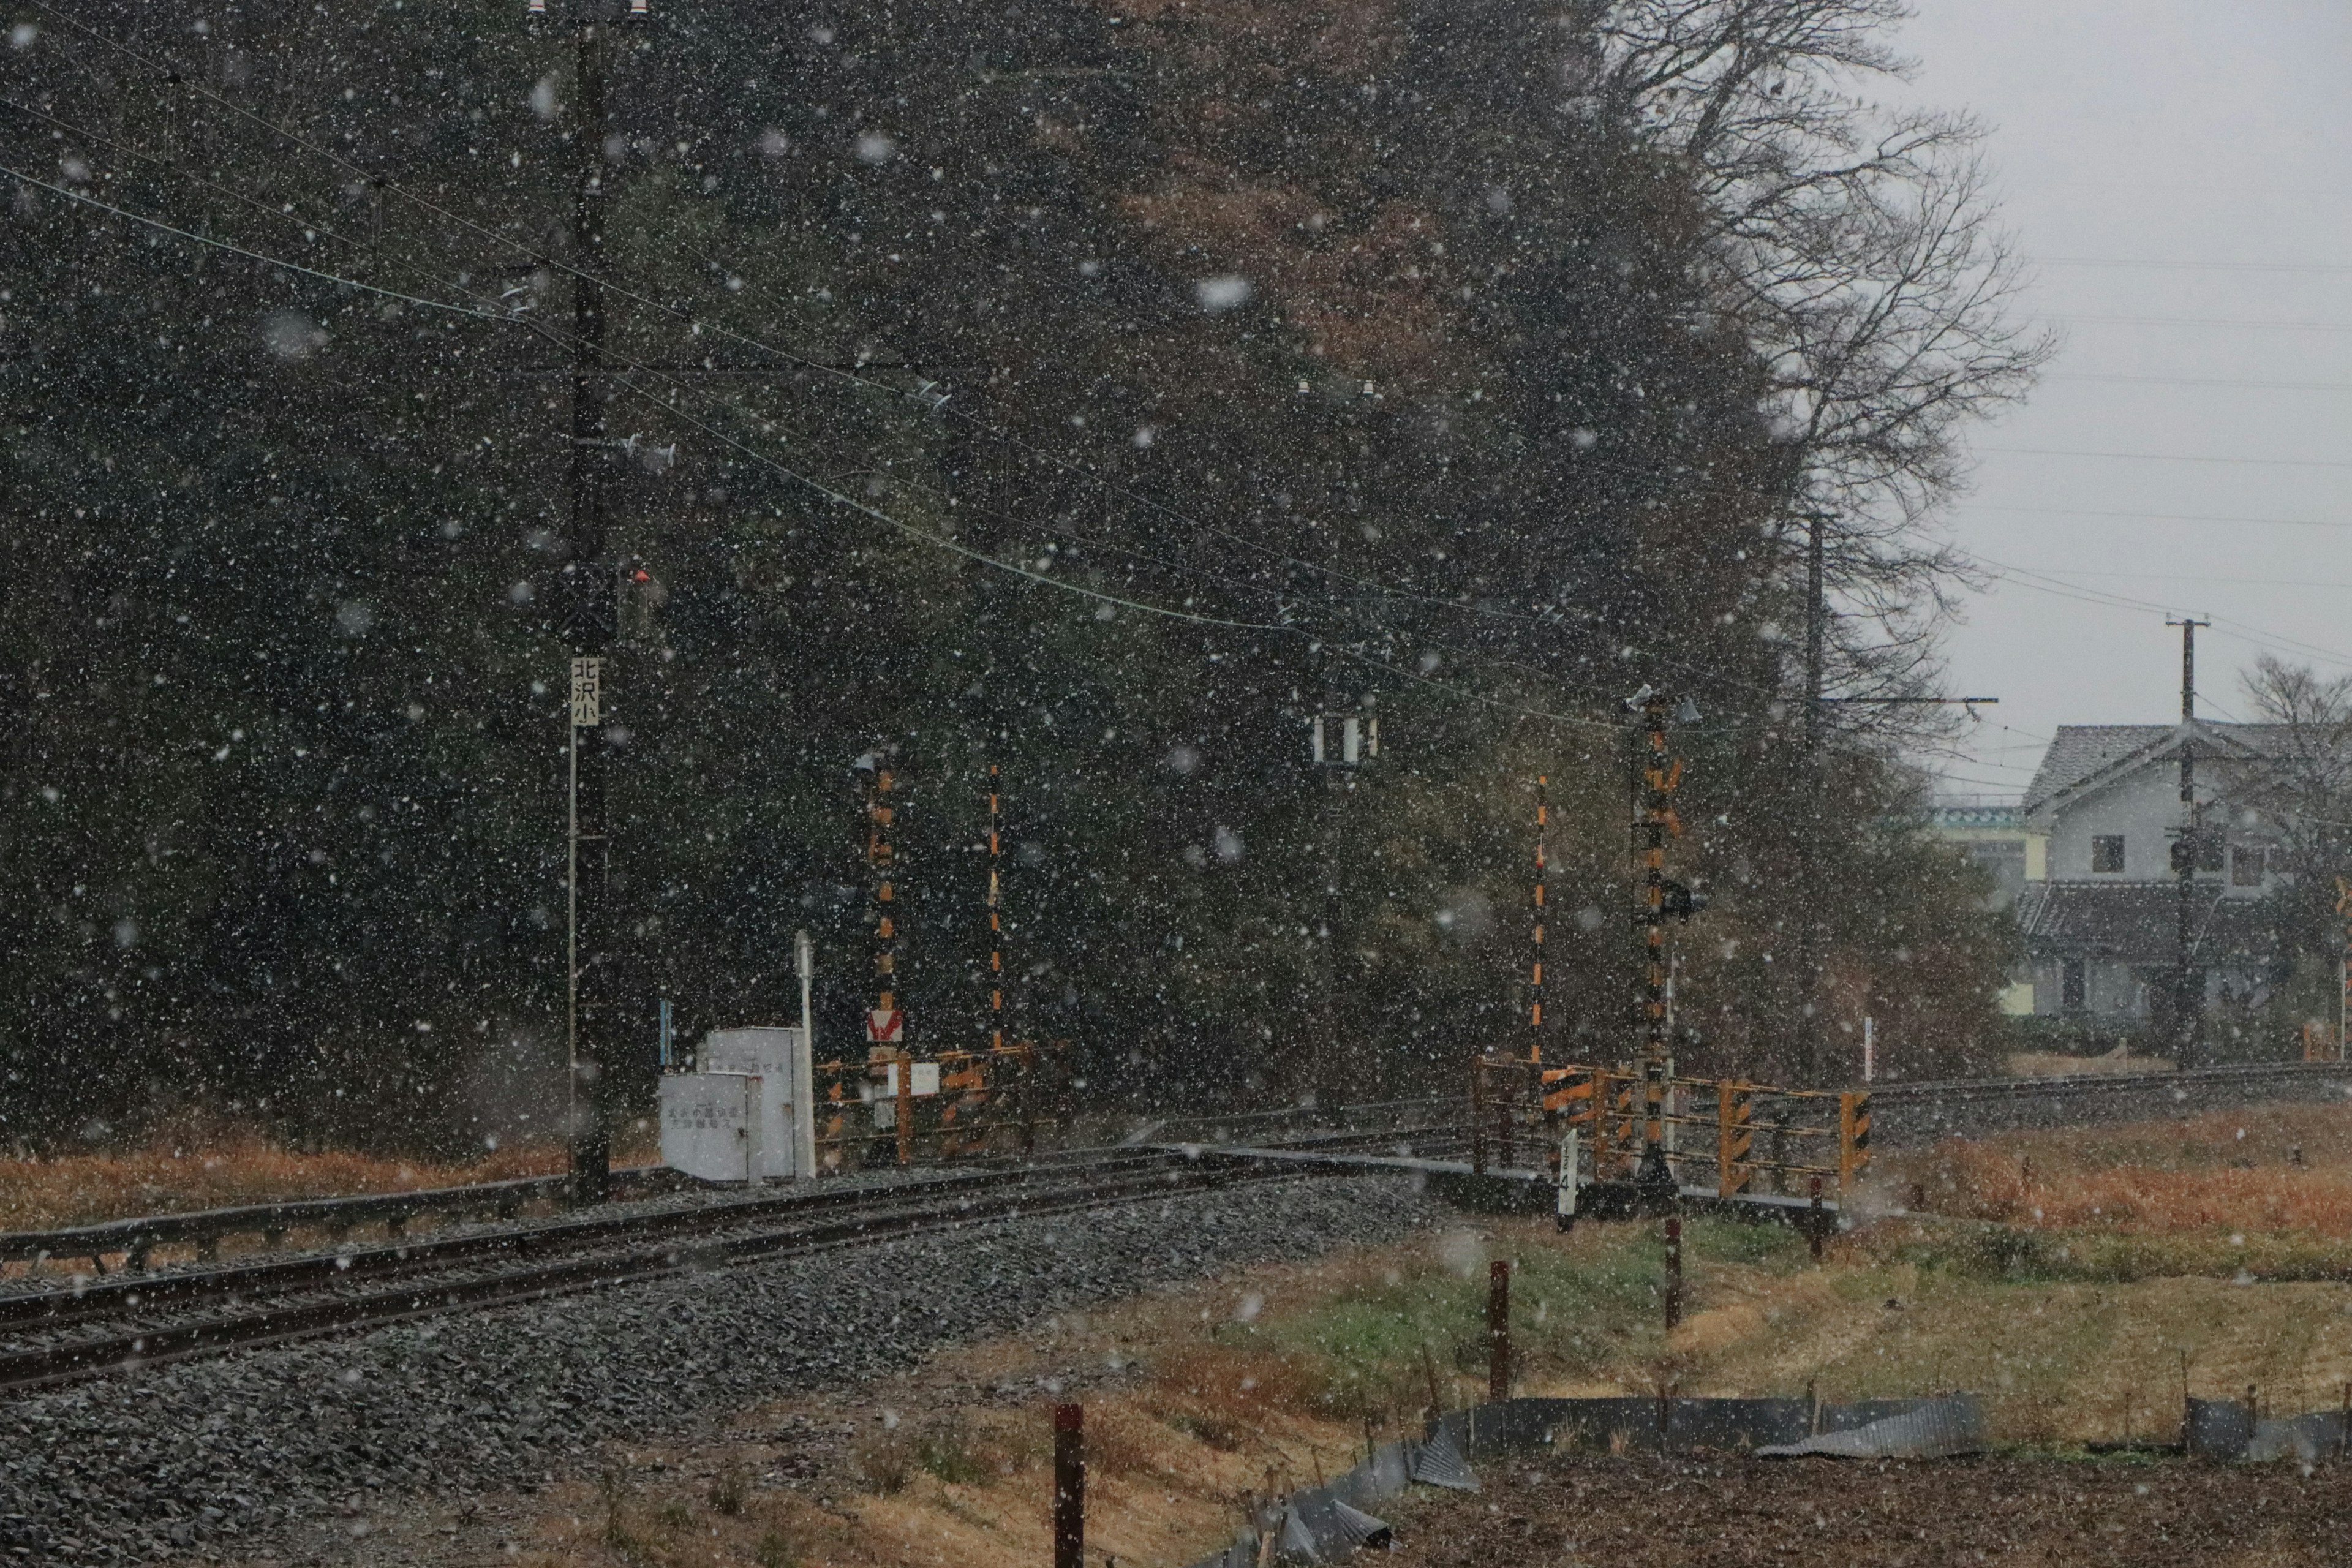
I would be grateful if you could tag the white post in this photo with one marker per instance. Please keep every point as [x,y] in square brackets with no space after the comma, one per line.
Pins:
[752,1159]
[1566,1197]
[804,1075]
[1869,1045]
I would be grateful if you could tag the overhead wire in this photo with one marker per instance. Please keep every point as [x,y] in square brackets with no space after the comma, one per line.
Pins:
[2159,516]
[829,493]
[2201,381]
[787,355]
[2202,321]
[2178,265]
[2175,457]
[1069,468]
[2242,631]
[205,239]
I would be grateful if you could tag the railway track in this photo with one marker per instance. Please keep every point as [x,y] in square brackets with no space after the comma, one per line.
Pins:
[124,1324]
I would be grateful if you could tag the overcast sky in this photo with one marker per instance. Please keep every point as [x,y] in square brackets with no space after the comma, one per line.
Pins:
[2179,173]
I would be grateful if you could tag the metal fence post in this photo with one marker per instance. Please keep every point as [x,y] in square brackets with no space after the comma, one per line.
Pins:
[1564,1200]
[1070,1486]
[1816,1220]
[1674,1272]
[1498,1330]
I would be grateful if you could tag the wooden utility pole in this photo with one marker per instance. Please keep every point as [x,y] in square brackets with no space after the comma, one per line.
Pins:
[2188,1001]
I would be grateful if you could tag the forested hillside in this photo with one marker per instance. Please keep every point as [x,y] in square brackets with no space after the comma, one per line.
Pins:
[1095,390]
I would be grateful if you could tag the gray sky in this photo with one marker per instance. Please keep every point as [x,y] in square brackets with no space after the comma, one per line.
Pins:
[2130,138]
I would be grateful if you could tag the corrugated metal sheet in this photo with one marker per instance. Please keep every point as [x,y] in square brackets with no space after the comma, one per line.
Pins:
[1933,1429]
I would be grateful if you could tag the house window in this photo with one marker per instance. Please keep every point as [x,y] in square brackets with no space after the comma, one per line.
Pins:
[2071,989]
[2245,864]
[2108,852]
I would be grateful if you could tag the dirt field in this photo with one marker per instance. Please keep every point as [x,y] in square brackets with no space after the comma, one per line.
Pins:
[1657,1513]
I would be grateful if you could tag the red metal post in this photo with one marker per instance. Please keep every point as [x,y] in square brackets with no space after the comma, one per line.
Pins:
[1674,1272]
[1498,1330]
[1070,1486]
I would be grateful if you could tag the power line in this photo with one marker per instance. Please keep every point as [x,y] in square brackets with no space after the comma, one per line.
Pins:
[190,235]
[2202,321]
[824,491]
[2137,262]
[1079,470]
[2204,577]
[1066,465]
[2203,381]
[2175,457]
[2159,516]
[2043,583]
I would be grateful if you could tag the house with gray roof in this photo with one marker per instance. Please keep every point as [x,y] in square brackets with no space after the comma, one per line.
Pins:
[2101,922]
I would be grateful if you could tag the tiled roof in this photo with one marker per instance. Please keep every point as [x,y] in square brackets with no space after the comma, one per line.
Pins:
[2078,750]
[2137,922]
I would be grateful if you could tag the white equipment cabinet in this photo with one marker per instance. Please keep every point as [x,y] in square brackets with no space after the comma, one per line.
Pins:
[711,1125]
[742,1114]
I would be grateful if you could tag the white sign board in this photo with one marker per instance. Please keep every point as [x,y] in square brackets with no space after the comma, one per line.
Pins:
[923,1080]
[587,691]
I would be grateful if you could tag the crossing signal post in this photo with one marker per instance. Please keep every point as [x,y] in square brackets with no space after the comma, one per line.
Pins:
[1661,898]
[889,1062]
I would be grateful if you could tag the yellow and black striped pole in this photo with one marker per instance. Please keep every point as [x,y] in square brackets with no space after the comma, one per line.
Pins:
[1535,983]
[1657,807]
[880,859]
[1659,778]
[995,919]
[886,1030]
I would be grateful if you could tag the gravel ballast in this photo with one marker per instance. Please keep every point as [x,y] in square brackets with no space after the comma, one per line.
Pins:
[223,1457]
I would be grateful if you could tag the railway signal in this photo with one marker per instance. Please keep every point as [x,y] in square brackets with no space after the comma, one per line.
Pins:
[1661,899]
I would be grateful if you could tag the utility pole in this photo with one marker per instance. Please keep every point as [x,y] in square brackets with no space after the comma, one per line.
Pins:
[1812,939]
[2187,1004]
[1342,743]
[591,620]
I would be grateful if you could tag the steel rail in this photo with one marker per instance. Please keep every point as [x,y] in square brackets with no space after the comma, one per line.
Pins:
[59,1307]
[892,1214]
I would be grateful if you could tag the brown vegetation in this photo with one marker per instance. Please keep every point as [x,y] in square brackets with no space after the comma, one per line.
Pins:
[2274,1167]
[186,1168]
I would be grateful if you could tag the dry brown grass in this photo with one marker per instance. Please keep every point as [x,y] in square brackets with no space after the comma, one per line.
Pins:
[2266,1168]
[184,1170]
[2050,1064]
